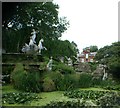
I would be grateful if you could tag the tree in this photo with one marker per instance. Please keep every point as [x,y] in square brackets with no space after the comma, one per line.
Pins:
[59,48]
[42,16]
[110,55]
[75,48]
[93,48]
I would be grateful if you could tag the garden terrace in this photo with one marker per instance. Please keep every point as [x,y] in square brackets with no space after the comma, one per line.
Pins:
[21,57]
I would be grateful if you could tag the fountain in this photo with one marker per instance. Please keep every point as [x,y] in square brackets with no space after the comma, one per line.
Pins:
[32,47]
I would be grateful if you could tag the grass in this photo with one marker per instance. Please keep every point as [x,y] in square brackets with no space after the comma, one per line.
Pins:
[45,97]
[91,88]
[9,88]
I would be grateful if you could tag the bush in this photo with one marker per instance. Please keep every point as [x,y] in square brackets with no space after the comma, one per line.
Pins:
[86,94]
[85,80]
[114,69]
[48,85]
[20,98]
[93,66]
[107,82]
[117,87]
[101,98]
[64,69]
[63,82]
[68,82]
[55,76]
[66,104]
[102,83]
[96,81]
[26,81]
[109,100]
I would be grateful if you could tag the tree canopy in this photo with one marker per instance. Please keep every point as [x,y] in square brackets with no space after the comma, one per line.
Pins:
[110,55]
[41,16]
[93,48]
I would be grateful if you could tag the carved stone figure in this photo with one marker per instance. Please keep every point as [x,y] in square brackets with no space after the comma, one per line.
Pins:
[40,46]
[26,48]
[33,36]
[49,65]
[105,75]
[69,62]
[100,72]
[32,47]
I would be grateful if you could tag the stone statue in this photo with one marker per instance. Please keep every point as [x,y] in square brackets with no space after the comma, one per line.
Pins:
[40,46]
[61,59]
[26,48]
[33,36]
[104,72]
[100,72]
[32,47]
[31,43]
[69,62]
[49,65]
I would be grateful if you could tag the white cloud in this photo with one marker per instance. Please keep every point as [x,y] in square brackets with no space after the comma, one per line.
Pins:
[92,22]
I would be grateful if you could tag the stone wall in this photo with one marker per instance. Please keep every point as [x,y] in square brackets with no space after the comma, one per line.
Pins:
[30,62]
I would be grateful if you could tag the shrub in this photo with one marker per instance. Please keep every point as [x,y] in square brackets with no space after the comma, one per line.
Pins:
[68,82]
[102,83]
[85,80]
[117,87]
[64,69]
[93,66]
[114,69]
[55,76]
[96,81]
[86,94]
[20,98]
[107,82]
[48,85]
[109,100]
[63,82]
[66,104]
[27,81]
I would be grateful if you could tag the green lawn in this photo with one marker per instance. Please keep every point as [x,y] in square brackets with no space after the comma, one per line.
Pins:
[45,97]
[92,88]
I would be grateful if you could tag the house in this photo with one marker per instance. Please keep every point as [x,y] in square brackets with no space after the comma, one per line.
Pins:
[87,56]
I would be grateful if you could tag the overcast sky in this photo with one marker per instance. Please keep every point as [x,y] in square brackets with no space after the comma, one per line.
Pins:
[92,22]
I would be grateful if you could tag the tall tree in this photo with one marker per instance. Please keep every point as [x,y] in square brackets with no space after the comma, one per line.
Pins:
[60,48]
[110,55]
[93,48]
[42,16]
